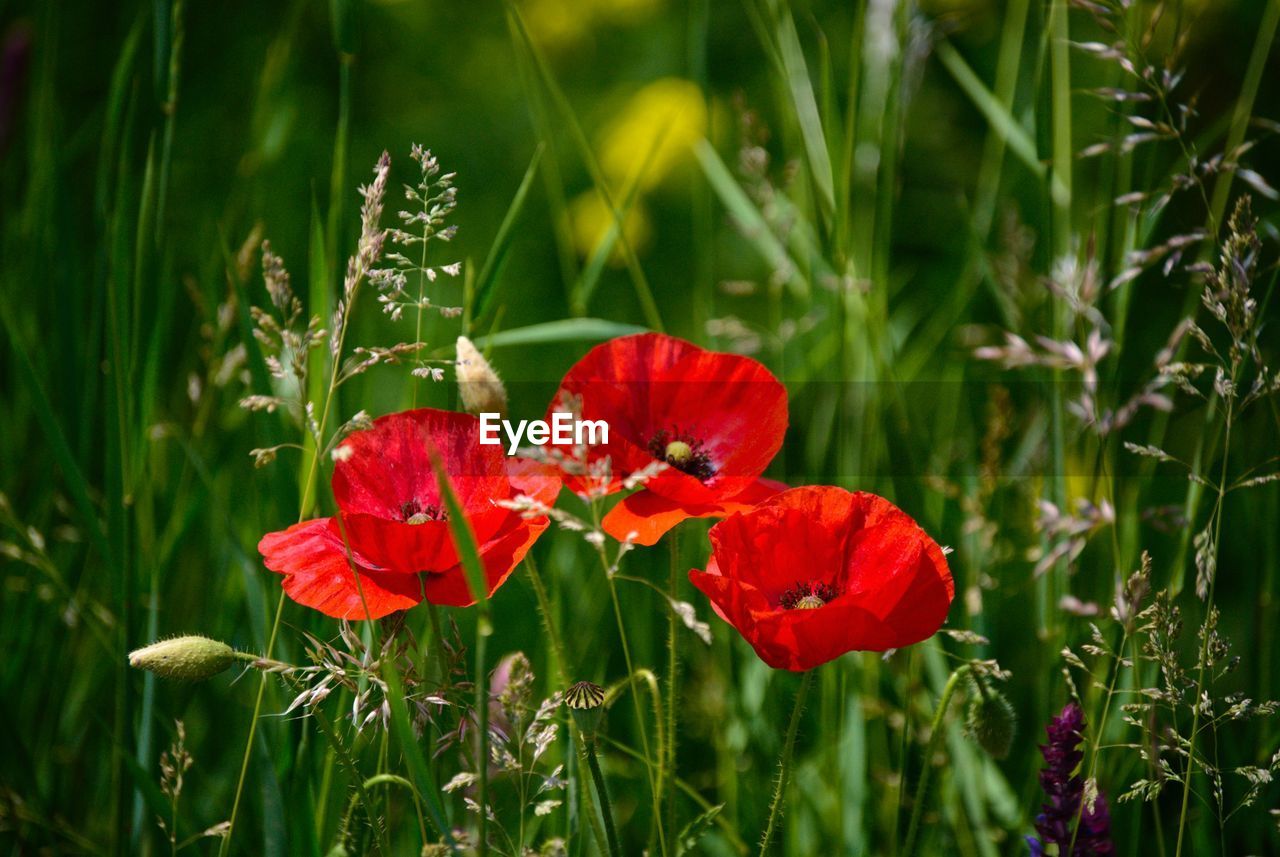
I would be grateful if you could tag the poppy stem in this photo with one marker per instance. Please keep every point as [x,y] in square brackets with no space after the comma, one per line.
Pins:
[935,738]
[602,792]
[784,763]
[673,684]
[482,762]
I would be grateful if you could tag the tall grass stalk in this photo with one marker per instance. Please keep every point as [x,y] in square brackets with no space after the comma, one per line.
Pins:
[307,495]
[673,682]
[656,779]
[1189,773]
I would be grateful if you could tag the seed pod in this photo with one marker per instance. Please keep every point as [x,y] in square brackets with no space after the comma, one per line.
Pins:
[991,720]
[189,658]
[479,386]
[586,704]
[678,452]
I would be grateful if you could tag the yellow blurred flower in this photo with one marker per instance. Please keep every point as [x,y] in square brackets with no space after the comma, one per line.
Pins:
[559,23]
[625,11]
[556,23]
[653,133]
[590,222]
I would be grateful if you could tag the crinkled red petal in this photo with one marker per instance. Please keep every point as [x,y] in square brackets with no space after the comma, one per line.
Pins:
[894,587]
[427,546]
[385,468]
[535,479]
[500,558]
[318,574]
[649,383]
[647,516]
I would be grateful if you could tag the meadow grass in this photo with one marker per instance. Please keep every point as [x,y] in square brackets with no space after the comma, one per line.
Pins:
[994,250]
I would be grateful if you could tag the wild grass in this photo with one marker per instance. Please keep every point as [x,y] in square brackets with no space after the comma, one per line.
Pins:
[1014,262]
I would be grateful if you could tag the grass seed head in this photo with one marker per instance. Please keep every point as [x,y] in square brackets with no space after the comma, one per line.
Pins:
[479,386]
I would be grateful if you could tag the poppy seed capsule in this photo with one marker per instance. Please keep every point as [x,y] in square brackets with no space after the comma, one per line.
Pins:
[189,658]
[991,721]
[479,386]
[678,452]
[586,704]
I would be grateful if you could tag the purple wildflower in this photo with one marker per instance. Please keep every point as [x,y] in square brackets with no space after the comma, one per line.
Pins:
[1064,789]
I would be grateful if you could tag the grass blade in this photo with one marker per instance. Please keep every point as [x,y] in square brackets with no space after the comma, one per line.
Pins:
[486,282]
[565,330]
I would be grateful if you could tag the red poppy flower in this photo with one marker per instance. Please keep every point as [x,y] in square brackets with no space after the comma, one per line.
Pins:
[716,419]
[395,524]
[815,572]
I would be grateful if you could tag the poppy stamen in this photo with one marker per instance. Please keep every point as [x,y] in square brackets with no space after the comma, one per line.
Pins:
[414,512]
[683,452]
[809,595]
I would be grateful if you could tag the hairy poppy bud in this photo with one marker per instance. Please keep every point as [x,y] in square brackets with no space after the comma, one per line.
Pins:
[991,720]
[479,386]
[586,704]
[189,658]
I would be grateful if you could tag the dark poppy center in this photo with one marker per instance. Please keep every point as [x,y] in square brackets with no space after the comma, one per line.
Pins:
[683,452]
[809,595]
[415,512]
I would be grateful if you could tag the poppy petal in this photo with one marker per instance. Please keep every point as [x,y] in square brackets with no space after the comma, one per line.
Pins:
[317,574]
[386,471]
[647,384]
[500,558]
[535,479]
[649,515]
[738,604]
[812,573]
[409,548]
[806,531]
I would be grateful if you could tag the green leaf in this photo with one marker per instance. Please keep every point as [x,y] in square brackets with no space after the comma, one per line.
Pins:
[560,102]
[747,215]
[56,440]
[806,106]
[319,303]
[465,541]
[412,750]
[565,330]
[1002,121]
[486,282]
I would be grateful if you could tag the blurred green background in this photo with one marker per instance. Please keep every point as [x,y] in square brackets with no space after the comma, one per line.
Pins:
[146,148]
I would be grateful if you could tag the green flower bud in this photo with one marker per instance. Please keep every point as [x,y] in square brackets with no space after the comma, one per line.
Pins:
[189,658]
[991,720]
[586,704]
